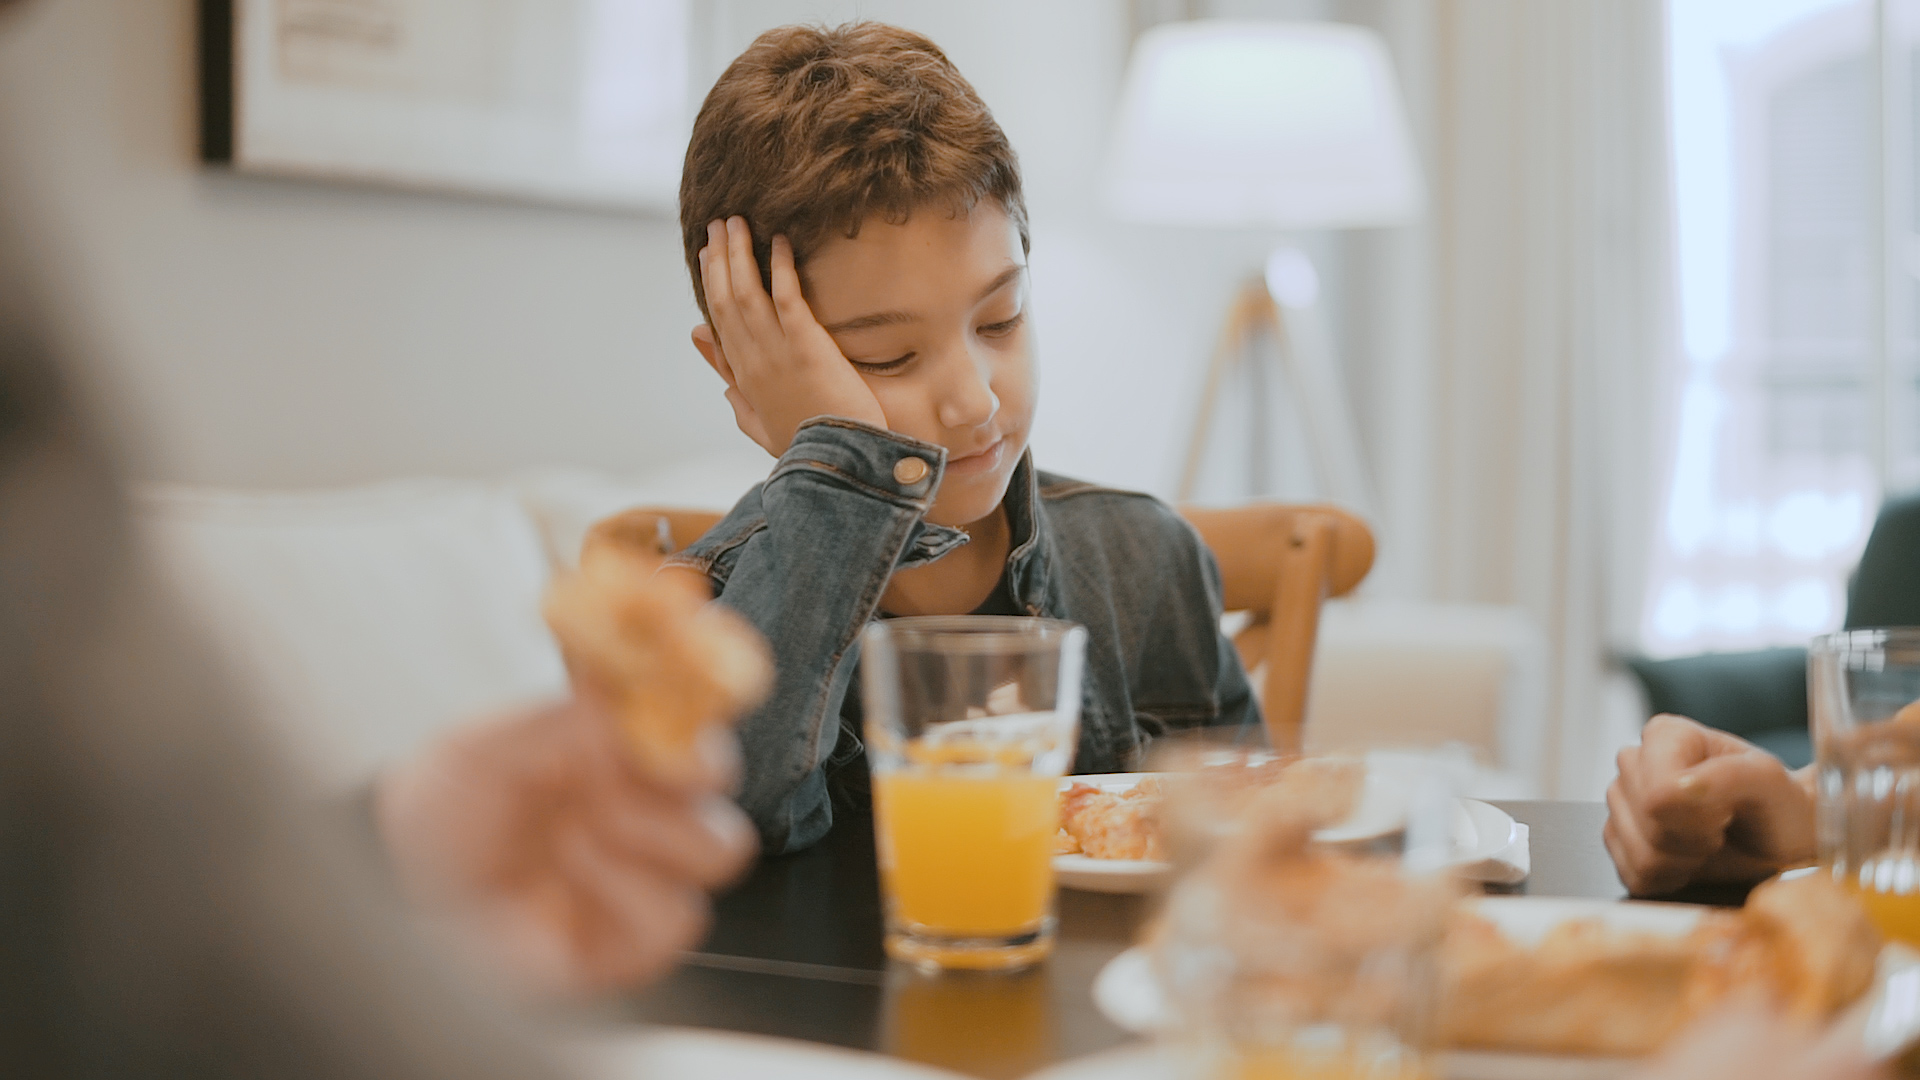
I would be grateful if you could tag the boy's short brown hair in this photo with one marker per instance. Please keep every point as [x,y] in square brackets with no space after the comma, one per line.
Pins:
[812,130]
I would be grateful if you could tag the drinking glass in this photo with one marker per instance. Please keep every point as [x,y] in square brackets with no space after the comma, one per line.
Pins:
[970,723]
[1284,956]
[1864,687]
[1288,971]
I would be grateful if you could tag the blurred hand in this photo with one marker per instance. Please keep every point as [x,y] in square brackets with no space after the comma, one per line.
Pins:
[537,835]
[1692,804]
[781,366]
[1752,1043]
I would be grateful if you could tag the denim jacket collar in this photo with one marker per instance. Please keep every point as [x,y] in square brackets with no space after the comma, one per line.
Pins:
[1030,541]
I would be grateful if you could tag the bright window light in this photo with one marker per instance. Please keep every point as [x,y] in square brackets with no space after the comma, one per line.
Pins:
[1770,490]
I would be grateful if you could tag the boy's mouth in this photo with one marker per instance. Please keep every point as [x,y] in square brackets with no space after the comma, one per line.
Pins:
[980,461]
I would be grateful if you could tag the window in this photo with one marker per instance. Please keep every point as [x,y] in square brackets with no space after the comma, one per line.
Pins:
[1794,396]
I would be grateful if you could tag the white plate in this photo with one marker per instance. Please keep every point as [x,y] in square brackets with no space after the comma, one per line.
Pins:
[1481,832]
[1162,1062]
[1127,993]
[717,1055]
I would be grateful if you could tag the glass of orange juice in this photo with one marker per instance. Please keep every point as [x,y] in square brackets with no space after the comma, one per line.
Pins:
[970,723]
[1864,687]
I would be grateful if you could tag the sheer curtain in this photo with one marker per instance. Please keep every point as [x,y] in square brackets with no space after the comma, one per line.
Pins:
[1518,333]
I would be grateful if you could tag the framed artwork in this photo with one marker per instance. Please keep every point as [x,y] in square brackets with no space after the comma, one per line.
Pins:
[567,101]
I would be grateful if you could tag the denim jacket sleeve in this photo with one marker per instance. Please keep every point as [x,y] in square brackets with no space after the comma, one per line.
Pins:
[842,509]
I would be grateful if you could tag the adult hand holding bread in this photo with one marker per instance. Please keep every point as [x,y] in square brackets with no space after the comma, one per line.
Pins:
[576,843]
[1692,804]
[781,366]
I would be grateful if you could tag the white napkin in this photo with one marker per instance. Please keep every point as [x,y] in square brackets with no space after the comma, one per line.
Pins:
[1508,866]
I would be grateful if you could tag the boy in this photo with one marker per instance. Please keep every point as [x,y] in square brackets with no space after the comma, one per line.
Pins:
[855,229]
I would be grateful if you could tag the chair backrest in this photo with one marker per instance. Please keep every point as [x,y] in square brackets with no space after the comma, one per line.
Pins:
[1886,585]
[1277,562]
[1280,563]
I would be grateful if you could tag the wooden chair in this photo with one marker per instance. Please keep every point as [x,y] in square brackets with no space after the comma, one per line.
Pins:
[1278,563]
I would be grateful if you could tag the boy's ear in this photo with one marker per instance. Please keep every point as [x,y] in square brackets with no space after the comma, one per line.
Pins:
[709,346]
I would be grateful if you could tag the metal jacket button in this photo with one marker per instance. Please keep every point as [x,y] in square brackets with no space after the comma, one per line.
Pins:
[910,470]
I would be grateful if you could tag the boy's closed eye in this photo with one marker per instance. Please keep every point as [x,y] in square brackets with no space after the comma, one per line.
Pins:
[884,367]
[897,364]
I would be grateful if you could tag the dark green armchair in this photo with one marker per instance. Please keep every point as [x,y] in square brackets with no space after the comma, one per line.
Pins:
[1762,696]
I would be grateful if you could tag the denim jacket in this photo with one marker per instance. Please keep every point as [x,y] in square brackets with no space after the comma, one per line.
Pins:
[806,554]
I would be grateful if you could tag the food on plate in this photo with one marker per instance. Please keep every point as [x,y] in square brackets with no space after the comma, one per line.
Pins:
[1808,940]
[1588,988]
[1321,791]
[1128,824]
[1113,825]
[1272,933]
[668,662]
[1584,989]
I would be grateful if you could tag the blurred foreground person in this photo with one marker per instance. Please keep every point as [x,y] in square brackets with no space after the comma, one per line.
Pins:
[1694,805]
[169,908]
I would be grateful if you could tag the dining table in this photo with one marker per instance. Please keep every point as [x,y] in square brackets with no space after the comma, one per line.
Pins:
[795,950]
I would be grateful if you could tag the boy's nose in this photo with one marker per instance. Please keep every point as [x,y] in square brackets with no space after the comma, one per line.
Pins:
[968,400]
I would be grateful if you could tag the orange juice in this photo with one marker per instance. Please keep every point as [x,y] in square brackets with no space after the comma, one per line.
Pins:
[964,852]
[1896,914]
[1282,1064]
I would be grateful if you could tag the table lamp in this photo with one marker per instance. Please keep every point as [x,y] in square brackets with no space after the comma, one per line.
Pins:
[1288,125]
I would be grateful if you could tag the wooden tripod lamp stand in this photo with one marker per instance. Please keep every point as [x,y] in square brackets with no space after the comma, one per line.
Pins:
[1278,125]
[1288,126]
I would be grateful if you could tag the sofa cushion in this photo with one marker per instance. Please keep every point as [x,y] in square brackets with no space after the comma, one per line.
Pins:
[363,620]
[566,502]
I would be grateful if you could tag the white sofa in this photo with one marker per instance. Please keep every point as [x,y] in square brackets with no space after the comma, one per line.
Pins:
[363,620]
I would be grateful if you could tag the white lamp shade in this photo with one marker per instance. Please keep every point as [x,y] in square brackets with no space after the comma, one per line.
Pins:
[1290,124]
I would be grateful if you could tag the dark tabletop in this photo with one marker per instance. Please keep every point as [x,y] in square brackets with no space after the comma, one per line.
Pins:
[795,951]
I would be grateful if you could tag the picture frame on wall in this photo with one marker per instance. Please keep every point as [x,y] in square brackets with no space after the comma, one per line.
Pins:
[582,102]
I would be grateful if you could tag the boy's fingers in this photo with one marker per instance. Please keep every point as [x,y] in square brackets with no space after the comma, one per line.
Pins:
[718,284]
[713,266]
[729,325]
[789,302]
[744,270]
[717,359]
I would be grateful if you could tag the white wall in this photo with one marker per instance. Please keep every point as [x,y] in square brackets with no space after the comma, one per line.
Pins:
[273,332]
[268,332]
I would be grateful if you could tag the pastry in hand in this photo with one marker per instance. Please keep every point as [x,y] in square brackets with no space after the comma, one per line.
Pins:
[667,660]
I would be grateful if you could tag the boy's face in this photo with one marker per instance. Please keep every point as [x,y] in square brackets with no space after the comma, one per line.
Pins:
[933,315]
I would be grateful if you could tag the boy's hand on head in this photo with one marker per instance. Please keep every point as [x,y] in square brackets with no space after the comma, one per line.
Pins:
[1694,804]
[781,366]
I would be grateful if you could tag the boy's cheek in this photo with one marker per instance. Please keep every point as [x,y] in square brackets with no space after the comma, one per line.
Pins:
[908,410]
